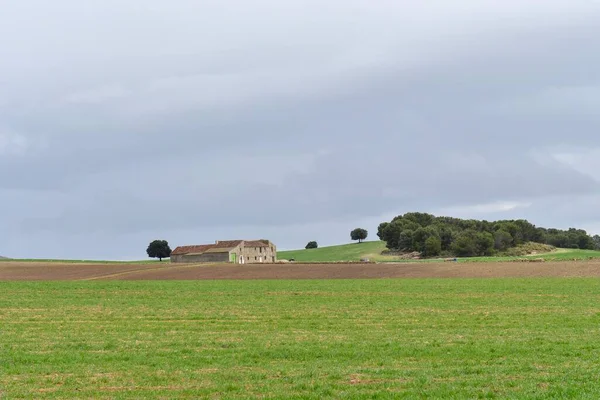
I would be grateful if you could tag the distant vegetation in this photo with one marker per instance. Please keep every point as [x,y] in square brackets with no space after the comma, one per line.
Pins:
[433,236]
[312,245]
[378,252]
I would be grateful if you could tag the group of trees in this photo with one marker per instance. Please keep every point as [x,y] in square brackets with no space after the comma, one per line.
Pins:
[432,236]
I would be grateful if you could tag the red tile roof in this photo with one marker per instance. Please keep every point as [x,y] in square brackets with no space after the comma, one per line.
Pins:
[255,243]
[225,244]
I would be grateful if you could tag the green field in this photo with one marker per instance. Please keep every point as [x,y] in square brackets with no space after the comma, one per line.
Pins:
[359,339]
[347,252]
[373,250]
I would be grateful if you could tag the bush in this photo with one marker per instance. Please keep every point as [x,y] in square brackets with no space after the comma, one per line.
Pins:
[312,245]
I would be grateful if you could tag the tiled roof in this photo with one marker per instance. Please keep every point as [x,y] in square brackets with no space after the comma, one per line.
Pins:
[255,243]
[198,249]
[222,245]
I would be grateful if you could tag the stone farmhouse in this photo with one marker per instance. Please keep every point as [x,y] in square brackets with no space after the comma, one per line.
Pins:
[228,251]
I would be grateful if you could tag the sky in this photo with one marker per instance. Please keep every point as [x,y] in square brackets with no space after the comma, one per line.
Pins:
[122,122]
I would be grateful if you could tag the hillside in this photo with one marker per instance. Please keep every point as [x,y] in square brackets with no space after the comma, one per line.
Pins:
[346,252]
[372,251]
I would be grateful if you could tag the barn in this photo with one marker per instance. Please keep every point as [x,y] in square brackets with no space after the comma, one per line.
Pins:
[227,251]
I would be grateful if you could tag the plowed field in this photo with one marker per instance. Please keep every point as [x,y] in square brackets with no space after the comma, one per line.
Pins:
[14,271]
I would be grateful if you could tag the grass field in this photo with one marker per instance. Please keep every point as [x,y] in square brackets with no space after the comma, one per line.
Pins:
[347,252]
[434,338]
[372,250]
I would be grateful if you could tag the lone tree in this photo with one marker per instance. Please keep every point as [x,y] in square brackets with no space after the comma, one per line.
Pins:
[159,249]
[359,234]
[312,245]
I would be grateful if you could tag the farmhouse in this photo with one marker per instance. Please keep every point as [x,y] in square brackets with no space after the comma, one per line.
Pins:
[231,251]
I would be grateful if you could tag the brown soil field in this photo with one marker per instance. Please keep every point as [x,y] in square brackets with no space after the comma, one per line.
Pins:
[22,271]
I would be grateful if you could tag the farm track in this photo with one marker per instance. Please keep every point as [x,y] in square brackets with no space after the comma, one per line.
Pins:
[33,271]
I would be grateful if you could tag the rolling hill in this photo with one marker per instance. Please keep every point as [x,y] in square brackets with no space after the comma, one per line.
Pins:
[346,252]
[372,251]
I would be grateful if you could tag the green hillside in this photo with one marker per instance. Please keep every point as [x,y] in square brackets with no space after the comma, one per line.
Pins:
[373,250]
[346,252]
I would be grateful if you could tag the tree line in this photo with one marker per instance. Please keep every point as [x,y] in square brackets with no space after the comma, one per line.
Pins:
[433,236]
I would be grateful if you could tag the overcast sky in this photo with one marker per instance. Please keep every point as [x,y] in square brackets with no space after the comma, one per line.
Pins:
[132,120]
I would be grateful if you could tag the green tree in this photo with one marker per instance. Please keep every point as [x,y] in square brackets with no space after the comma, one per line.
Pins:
[446,236]
[423,219]
[484,242]
[502,240]
[312,245]
[381,230]
[464,245]
[159,249]
[596,240]
[359,234]
[433,246]
[391,233]
[405,240]
[421,235]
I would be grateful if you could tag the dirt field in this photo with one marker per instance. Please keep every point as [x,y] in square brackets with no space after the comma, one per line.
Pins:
[19,271]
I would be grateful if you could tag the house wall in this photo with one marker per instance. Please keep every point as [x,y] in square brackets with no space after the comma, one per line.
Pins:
[202,258]
[254,254]
[176,258]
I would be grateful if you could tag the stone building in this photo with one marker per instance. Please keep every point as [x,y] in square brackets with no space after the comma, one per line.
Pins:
[227,251]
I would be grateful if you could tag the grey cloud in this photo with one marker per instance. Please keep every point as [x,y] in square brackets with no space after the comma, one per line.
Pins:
[201,120]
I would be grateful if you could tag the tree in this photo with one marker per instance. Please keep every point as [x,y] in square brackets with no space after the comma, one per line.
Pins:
[359,234]
[446,237]
[464,245]
[433,246]
[159,249]
[596,240]
[484,242]
[381,230]
[312,245]
[423,219]
[502,240]
[405,240]
[420,237]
